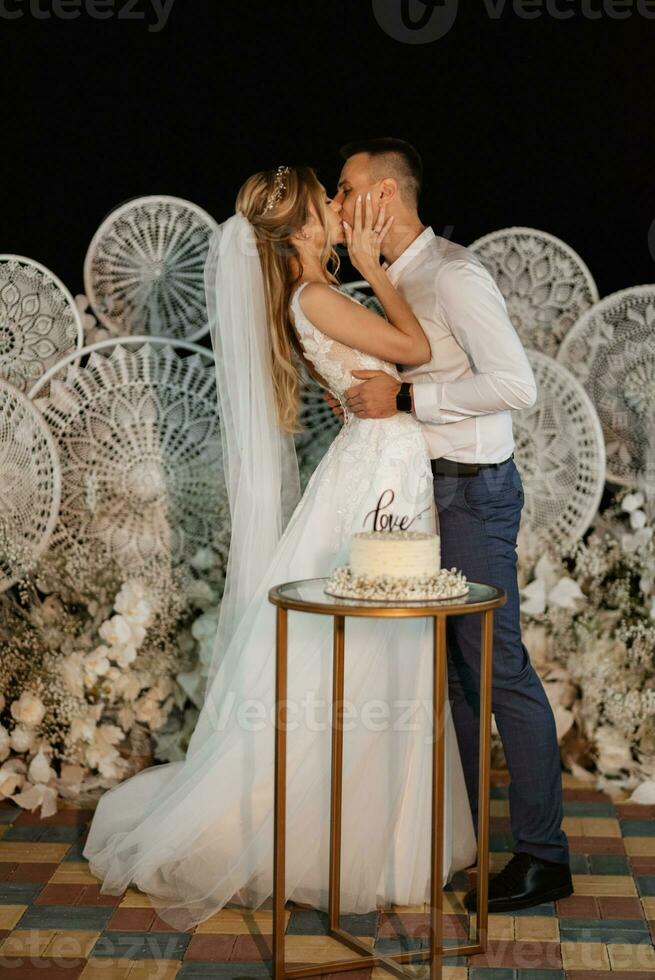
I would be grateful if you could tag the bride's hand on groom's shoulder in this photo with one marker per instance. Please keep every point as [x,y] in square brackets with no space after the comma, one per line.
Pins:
[365,237]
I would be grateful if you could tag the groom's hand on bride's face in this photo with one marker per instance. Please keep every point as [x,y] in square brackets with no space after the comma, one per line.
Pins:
[375,398]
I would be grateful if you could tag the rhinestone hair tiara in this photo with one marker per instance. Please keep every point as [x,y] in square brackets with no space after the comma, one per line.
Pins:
[279,187]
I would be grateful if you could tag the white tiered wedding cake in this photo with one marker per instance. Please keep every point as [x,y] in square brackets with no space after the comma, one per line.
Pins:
[400,565]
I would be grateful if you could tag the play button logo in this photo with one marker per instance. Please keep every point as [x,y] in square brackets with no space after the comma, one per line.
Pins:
[415,21]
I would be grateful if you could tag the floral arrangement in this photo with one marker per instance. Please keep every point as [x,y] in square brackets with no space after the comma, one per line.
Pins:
[99,676]
[589,624]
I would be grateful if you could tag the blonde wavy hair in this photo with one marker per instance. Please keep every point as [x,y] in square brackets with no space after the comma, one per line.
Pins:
[273,230]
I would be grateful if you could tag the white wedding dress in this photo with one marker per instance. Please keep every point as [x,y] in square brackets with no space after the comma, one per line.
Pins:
[197,834]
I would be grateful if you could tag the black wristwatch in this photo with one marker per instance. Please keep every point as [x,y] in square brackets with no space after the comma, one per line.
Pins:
[403,398]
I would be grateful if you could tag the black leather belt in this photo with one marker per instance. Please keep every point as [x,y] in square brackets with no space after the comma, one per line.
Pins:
[450,467]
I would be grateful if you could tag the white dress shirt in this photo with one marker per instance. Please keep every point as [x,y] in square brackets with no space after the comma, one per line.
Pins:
[478,371]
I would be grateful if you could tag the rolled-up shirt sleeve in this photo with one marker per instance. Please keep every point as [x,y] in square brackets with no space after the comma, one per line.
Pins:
[474,309]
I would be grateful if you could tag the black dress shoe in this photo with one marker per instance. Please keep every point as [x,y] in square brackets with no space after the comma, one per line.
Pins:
[525,881]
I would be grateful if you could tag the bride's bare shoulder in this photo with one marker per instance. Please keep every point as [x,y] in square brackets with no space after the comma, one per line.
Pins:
[320,298]
[314,291]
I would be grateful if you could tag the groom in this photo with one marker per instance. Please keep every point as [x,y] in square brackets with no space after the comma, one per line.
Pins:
[463,397]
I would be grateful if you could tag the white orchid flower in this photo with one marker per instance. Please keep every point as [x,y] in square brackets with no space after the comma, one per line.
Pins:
[546,570]
[535,597]
[40,770]
[83,729]
[632,501]
[126,718]
[33,796]
[644,793]
[204,627]
[633,542]
[10,782]
[4,743]
[130,593]
[110,734]
[637,519]
[133,604]
[201,594]
[71,673]
[28,709]
[116,631]
[138,633]
[565,593]
[21,739]
[123,654]
[192,683]
[127,685]
[96,663]
[105,759]
[549,588]
[12,776]
[203,559]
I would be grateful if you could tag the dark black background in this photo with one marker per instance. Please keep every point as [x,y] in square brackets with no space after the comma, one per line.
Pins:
[545,122]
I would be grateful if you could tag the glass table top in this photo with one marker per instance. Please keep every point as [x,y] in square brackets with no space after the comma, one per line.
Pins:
[309,595]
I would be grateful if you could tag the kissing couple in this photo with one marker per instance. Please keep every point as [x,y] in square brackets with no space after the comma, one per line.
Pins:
[426,396]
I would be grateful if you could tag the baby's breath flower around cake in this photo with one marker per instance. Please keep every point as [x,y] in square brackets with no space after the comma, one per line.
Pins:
[446,584]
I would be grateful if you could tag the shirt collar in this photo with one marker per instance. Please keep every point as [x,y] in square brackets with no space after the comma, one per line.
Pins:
[395,269]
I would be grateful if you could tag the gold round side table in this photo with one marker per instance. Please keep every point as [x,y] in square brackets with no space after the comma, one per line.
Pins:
[309,596]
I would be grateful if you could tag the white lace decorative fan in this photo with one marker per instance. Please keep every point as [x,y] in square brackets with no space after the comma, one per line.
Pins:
[39,320]
[546,285]
[611,350]
[30,482]
[139,439]
[560,455]
[143,272]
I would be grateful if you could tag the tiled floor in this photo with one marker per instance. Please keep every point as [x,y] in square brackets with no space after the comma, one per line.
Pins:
[55,925]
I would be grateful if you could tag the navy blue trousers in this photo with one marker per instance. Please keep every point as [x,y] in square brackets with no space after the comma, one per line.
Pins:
[479,520]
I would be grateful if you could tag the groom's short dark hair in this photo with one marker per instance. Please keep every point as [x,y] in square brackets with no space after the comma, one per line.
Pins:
[405,159]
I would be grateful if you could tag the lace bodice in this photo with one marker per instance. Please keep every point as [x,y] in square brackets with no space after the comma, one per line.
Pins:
[333,360]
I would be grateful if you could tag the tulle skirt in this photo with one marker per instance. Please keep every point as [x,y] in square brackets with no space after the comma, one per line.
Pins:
[197,834]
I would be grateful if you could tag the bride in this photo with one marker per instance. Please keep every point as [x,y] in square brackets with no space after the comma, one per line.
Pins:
[197,834]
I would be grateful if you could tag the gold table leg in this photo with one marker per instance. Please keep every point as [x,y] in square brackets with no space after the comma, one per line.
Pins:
[337,772]
[280,778]
[480,931]
[436,863]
